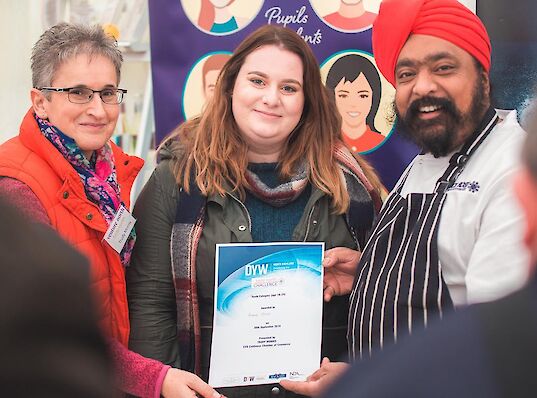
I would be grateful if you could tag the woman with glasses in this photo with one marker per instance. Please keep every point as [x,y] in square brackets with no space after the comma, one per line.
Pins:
[63,170]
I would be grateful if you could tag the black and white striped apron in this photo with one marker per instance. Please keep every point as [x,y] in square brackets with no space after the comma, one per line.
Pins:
[399,284]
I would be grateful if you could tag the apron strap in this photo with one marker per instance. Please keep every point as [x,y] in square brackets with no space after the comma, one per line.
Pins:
[458,161]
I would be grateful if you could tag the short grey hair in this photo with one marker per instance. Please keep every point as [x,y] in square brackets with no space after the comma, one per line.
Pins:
[64,41]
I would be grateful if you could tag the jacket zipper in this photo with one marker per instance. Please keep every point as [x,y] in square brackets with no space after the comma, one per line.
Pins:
[245,210]
[308,223]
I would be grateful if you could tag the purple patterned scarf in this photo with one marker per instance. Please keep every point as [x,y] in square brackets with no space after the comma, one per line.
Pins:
[282,194]
[98,175]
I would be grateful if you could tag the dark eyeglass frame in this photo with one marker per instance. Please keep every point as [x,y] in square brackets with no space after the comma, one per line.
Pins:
[118,99]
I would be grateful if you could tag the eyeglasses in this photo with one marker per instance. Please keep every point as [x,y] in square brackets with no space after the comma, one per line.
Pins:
[83,95]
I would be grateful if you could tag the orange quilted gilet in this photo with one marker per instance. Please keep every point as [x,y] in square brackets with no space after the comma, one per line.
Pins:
[32,159]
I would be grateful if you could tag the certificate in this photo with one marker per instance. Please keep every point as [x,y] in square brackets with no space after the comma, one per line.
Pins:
[267,313]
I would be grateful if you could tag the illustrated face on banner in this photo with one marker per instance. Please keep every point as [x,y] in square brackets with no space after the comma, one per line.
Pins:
[200,82]
[362,98]
[347,15]
[354,101]
[210,71]
[221,17]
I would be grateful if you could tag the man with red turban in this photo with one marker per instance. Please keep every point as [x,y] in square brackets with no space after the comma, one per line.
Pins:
[450,232]
[485,350]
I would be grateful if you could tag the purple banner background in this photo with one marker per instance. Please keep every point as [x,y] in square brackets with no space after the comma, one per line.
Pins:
[176,45]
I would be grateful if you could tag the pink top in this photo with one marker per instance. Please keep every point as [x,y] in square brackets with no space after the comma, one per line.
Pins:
[136,374]
[24,198]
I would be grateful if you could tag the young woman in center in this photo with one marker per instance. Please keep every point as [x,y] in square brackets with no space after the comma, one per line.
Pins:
[264,162]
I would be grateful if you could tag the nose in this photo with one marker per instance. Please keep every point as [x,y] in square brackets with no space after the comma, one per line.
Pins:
[424,84]
[96,106]
[271,96]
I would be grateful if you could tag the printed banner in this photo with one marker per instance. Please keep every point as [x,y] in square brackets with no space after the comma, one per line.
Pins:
[192,39]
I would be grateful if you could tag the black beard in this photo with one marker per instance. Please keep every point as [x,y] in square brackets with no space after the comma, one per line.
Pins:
[439,136]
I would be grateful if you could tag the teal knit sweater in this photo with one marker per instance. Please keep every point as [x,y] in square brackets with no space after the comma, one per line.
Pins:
[269,223]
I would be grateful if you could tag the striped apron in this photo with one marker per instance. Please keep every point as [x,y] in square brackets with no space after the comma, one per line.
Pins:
[399,285]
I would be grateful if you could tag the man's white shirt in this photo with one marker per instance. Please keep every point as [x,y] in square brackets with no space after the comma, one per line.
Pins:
[481,227]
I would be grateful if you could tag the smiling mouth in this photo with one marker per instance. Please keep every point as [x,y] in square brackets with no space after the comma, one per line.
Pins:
[354,114]
[429,108]
[94,126]
[268,114]
[429,112]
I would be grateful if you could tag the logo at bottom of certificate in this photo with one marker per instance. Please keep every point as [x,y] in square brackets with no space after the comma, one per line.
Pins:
[278,376]
[251,379]
[296,375]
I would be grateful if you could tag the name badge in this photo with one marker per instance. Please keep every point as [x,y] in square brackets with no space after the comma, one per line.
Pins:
[119,229]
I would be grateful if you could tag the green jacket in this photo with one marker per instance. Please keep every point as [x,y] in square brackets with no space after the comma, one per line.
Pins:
[150,287]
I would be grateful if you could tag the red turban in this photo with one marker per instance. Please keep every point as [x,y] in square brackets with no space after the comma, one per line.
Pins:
[445,19]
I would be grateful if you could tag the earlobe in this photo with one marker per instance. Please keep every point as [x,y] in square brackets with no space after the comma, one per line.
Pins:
[486,82]
[38,103]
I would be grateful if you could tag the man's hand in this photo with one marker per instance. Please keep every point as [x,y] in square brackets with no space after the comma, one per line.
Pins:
[319,381]
[180,384]
[339,269]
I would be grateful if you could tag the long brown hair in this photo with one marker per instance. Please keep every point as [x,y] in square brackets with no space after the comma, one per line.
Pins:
[216,153]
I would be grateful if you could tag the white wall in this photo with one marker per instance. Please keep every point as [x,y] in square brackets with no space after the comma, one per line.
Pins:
[20,27]
[471,4]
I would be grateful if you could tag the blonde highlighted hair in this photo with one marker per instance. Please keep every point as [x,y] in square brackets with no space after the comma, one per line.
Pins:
[215,154]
